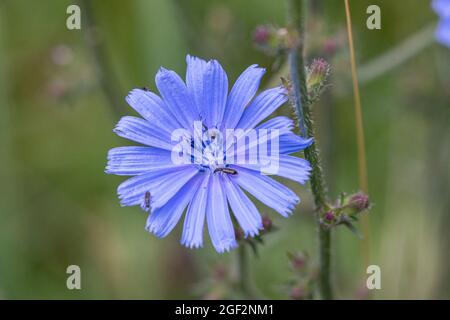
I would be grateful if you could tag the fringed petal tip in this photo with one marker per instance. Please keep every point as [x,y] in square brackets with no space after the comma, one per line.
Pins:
[254,233]
[282,90]
[308,142]
[191,58]
[162,70]
[289,211]
[155,231]
[226,246]
[192,245]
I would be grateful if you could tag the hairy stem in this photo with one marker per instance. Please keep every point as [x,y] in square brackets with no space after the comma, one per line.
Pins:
[296,17]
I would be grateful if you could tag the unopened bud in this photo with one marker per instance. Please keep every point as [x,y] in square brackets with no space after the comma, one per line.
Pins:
[298,260]
[318,72]
[267,223]
[273,40]
[297,292]
[330,47]
[359,202]
[261,35]
[329,216]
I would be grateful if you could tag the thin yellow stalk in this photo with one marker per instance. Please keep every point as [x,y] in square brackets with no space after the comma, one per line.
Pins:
[362,163]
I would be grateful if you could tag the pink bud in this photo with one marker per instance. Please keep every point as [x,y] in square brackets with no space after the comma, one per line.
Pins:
[297,292]
[329,216]
[330,46]
[359,201]
[318,72]
[261,35]
[267,223]
[298,260]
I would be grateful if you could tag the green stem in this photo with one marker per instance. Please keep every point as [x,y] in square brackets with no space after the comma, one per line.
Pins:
[398,55]
[101,64]
[296,13]
[389,60]
[245,281]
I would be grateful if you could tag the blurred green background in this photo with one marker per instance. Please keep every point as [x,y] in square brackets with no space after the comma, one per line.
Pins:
[62,91]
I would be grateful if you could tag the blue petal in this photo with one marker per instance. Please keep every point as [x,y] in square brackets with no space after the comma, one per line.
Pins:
[164,219]
[137,160]
[175,95]
[250,144]
[262,106]
[216,91]
[244,210]
[153,109]
[442,8]
[162,185]
[443,32]
[289,167]
[283,124]
[294,168]
[220,226]
[140,130]
[194,221]
[242,92]
[279,123]
[290,143]
[251,141]
[268,191]
[195,83]
[168,186]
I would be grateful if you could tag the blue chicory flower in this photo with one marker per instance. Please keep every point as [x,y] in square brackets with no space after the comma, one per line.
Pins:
[442,7]
[205,189]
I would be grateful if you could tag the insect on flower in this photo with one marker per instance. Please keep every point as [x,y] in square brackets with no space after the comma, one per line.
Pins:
[147,200]
[194,188]
[226,170]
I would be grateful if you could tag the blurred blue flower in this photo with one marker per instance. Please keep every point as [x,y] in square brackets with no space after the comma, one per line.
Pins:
[442,7]
[205,189]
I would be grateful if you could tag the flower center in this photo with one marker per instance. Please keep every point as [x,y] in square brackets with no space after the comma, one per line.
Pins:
[208,149]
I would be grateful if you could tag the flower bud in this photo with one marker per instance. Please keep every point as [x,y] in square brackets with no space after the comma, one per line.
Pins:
[318,72]
[274,40]
[261,35]
[330,47]
[298,260]
[297,292]
[359,202]
[267,223]
[329,216]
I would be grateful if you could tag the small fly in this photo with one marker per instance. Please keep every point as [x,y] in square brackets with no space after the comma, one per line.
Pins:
[145,89]
[147,200]
[226,170]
